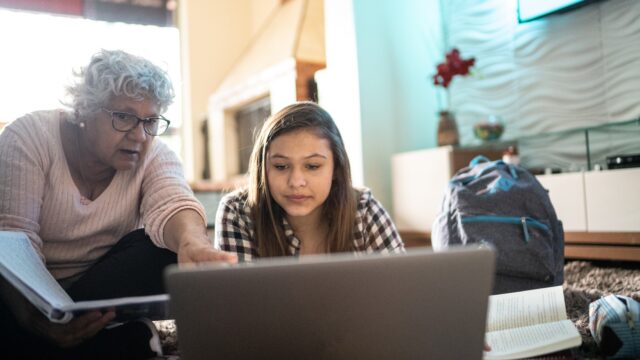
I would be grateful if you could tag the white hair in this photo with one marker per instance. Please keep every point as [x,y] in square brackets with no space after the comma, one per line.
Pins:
[113,73]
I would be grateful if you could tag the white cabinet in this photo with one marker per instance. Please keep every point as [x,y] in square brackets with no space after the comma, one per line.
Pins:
[600,210]
[613,200]
[568,198]
[596,201]
[610,228]
[419,179]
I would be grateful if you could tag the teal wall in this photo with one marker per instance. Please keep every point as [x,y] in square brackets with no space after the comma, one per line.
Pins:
[565,71]
[399,44]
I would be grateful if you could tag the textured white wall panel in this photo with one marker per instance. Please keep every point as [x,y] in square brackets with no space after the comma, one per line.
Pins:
[621,50]
[566,71]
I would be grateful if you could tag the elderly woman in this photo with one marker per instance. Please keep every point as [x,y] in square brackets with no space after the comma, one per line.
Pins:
[79,183]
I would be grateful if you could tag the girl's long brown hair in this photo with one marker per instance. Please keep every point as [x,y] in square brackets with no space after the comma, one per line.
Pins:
[339,210]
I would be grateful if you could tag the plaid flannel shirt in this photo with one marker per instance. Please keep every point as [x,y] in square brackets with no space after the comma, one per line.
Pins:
[235,232]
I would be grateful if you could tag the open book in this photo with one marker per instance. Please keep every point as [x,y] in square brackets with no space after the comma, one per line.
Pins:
[529,323]
[22,267]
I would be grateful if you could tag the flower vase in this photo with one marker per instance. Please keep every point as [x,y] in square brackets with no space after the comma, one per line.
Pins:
[447,129]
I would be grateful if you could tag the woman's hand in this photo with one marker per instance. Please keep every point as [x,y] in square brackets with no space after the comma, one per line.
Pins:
[66,335]
[72,333]
[186,234]
[198,251]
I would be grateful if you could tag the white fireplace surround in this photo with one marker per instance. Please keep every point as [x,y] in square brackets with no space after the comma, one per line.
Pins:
[277,82]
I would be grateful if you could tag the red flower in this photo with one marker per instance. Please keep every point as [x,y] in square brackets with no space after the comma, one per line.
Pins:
[452,66]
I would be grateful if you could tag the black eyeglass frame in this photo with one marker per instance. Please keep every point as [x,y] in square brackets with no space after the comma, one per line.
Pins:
[144,121]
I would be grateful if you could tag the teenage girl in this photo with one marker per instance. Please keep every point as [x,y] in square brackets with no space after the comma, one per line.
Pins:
[300,199]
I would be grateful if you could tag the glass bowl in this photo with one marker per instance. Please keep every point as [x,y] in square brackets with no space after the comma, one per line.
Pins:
[490,129]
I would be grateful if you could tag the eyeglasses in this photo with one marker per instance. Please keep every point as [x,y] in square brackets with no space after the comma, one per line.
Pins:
[124,122]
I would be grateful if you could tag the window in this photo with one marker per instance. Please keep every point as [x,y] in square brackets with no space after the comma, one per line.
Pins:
[40,51]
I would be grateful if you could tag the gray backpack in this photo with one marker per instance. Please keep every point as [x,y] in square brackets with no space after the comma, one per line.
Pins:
[504,206]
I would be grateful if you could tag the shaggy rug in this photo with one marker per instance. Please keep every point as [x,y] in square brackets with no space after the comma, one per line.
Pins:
[584,282]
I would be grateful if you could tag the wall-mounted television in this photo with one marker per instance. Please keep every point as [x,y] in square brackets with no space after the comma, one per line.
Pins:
[529,10]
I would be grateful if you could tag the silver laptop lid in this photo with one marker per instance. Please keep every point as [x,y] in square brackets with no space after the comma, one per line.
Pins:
[418,305]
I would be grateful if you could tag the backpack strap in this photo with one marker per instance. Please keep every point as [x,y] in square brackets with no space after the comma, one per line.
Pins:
[478,159]
[492,165]
[483,159]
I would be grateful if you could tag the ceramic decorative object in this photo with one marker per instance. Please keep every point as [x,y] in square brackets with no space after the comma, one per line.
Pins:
[447,130]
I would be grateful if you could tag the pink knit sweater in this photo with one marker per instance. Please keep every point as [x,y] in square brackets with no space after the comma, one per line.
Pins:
[39,197]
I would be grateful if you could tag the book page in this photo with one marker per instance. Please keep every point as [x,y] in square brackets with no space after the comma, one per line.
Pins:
[526,308]
[21,265]
[532,340]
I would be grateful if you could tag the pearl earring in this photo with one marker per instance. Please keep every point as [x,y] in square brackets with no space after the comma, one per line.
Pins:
[81,124]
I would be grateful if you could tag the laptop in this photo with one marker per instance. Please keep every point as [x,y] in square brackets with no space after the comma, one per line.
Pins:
[418,305]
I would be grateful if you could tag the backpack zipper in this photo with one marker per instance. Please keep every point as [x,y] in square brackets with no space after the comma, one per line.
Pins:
[525,221]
